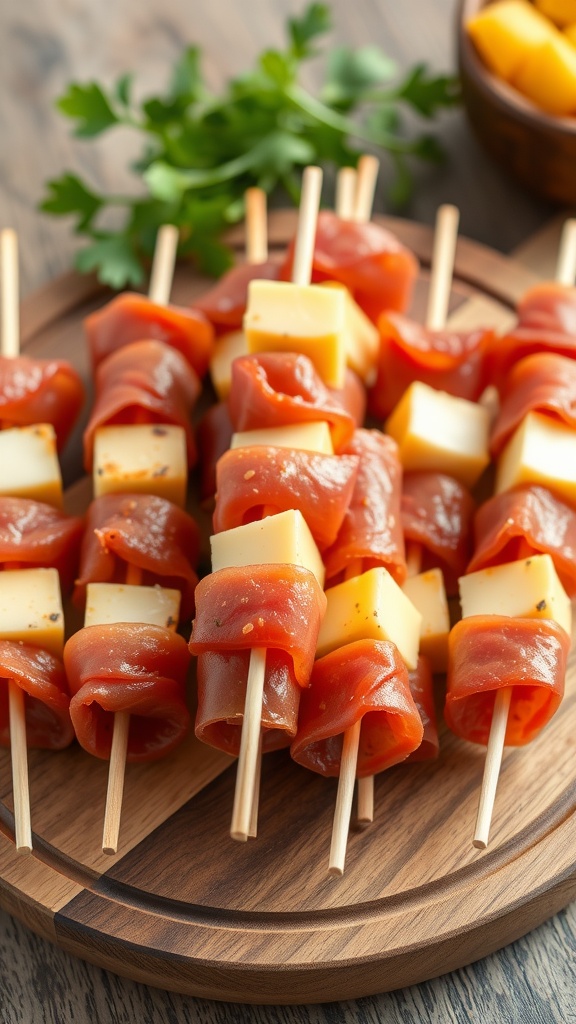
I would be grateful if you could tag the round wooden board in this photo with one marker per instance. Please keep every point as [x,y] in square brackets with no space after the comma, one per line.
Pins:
[184,908]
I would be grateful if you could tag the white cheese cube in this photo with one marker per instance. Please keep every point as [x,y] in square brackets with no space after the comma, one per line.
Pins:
[286,317]
[428,595]
[438,432]
[529,588]
[29,465]
[309,437]
[122,602]
[361,337]
[541,451]
[370,607]
[227,348]
[147,458]
[31,608]
[281,539]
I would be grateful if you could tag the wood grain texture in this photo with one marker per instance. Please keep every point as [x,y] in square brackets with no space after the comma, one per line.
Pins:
[184,908]
[45,44]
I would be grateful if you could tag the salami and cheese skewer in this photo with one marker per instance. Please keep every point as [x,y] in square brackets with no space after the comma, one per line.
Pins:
[250,736]
[159,291]
[10,348]
[565,271]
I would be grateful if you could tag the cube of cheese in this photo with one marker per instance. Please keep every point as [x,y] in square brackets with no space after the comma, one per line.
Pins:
[428,595]
[549,77]
[309,437]
[227,348]
[122,602]
[31,608]
[438,432]
[370,607]
[541,451]
[361,337]
[529,588]
[148,458]
[507,33]
[286,317]
[29,466]
[284,539]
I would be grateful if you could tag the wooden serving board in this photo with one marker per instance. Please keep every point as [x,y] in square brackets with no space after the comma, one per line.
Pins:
[183,907]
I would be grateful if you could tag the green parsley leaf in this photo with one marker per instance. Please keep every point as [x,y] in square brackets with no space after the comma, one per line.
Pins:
[352,73]
[70,195]
[429,93]
[87,105]
[315,21]
[114,258]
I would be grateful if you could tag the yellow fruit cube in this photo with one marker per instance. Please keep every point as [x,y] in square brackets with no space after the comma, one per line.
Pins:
[506,33]
[561,12]
[549,77]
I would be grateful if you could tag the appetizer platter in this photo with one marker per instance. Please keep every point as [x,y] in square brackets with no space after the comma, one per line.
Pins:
[169,898]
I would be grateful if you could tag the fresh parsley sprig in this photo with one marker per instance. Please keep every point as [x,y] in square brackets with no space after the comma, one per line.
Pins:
[201,152]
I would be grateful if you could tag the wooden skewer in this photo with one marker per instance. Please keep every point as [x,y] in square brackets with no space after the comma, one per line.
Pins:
[256,226]
[163,264]
[368,167]
[253,830]
[365,813]
[344,799]
[117,764]
[346,193]
[494,753]
[10,348]
[445,237]
[242,812]
[566,266]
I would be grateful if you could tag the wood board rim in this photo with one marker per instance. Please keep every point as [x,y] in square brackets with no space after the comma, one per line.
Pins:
[333,979]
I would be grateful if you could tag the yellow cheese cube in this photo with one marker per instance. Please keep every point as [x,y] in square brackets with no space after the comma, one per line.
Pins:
[529,588]
[541,451]
[549,77]
[428,595]
[308,437]
[122,602]
[286,317]
[281,539]
[29,466]
[370,607]
[436,431]
[31,608]
[507,33]
[361,337]
[561,12]
[148,458]
[227,348]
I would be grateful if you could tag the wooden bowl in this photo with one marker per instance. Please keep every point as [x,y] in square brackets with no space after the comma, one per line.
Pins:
[537,149]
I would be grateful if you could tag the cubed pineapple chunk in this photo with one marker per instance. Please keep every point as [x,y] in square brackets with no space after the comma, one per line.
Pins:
[146,458]
[529,588]
[549,77]
[29,466]
[370,607]
[507,33]
[286,317]
[281,539]
[438,432]
[31,609]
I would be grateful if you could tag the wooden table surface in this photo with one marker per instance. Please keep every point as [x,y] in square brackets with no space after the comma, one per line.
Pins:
[46,44]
